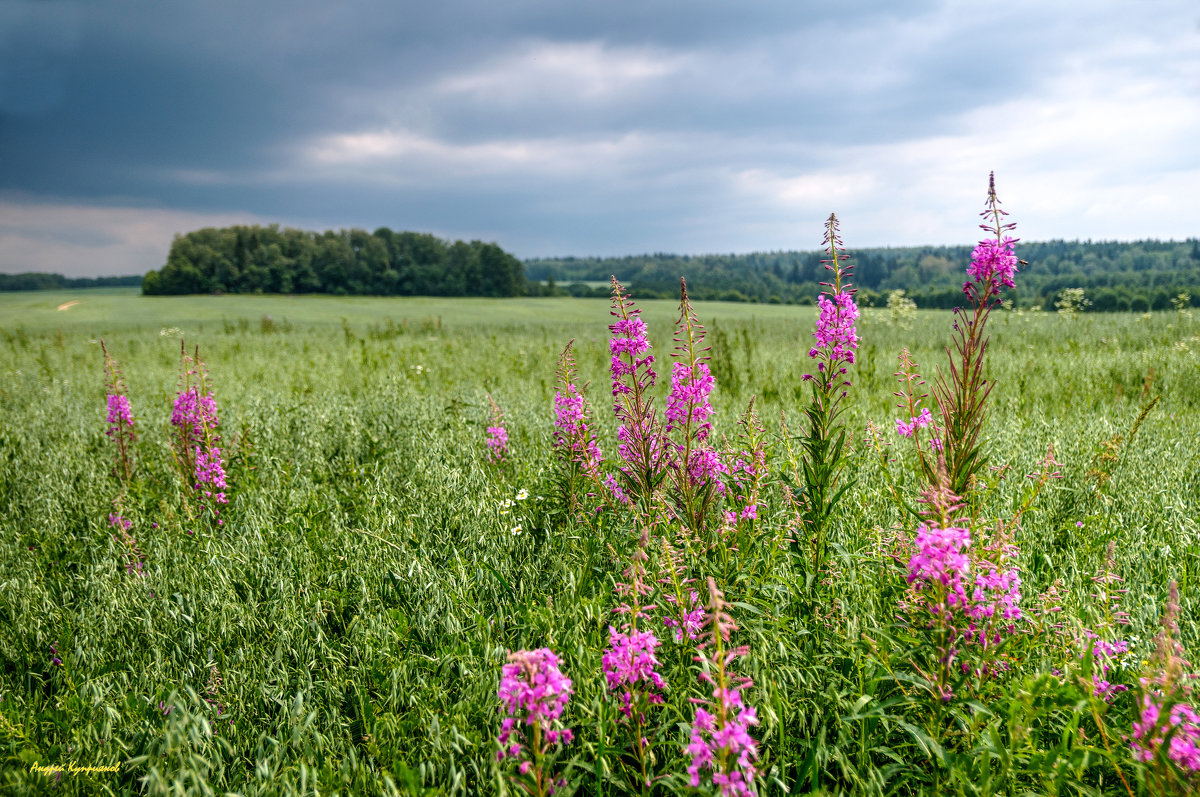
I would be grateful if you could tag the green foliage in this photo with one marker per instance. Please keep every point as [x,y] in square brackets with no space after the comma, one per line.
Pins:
[347,262]
[1116,275]
[359,600]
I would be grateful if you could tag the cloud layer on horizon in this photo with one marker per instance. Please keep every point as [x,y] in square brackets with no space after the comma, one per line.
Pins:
[613,128]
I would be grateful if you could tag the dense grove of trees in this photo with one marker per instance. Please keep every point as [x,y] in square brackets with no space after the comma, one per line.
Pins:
[41,281]
[1139,275]
[273,260]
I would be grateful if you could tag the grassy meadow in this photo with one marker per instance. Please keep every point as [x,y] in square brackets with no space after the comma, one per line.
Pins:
[344,629]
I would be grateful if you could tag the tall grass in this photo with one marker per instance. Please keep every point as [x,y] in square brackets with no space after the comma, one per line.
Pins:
[345,628]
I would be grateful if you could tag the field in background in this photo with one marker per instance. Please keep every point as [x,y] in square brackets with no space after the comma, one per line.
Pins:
[373,569]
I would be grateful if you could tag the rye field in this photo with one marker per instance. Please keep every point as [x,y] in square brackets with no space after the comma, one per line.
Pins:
[343,623]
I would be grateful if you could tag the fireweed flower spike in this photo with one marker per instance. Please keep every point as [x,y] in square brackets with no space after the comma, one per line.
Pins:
[574,441]
[195,439]
[720,736]
[630,664]
[695,465]
[1166,708]
[640,444]
[497,441]
[120,416]
[824,446]
[533,694]
[962,393]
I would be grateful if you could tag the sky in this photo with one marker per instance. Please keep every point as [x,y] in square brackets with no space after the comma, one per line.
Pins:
[558,127]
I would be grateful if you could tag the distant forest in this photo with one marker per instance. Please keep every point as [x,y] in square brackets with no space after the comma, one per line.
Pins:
[347,262]
[41,281]
[1139,275]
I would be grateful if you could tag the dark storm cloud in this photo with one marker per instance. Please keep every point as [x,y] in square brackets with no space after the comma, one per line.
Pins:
[584,127]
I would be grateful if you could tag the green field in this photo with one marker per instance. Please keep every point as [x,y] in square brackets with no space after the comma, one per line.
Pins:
[373,567]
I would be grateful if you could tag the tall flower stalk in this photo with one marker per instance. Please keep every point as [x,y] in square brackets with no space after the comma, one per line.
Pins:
[720,740]
[120,417]
[497,440]
[639,437]
[533,694]
[575,443]
[1166,734]
[695,464]
[195,440]
[824,445]
[962,393]
[630,663]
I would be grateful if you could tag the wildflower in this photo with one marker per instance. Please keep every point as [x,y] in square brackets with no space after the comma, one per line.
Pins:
[941,557]
[55,661]
[720,739]
[823,444]
[691,623]
[533,694]
[917,422]
[497,441]
[993,265]
[629,664]
[639,443]
[1166,709]
[120,416]
[195,419]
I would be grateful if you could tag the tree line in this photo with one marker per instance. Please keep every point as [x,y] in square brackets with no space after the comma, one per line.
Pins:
[256,259]
[42,281]
[1137,275]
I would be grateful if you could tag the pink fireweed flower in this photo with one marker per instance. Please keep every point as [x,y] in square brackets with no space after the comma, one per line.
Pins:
[835,328]
[940,556]
[571,432]
[630,667]
[120,417]
[720,739]
[639,441]
[533,695]
[688,399]
[497,443]
[210,474]
[691,623]
[993,265]
[1182,723]
[710,739]
[919,422]
[497,440]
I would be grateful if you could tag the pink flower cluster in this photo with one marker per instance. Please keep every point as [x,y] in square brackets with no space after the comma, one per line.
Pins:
[688,399]
[835,328]
[1103,654]
[571,432]
[210,474]
[195,416]
[497,443]
[1151,730]
[691,622]
[533,693]
[993,265]
[630,666]
[629,340]
[120,416]
[919,422]
[724,734]
[941,556]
